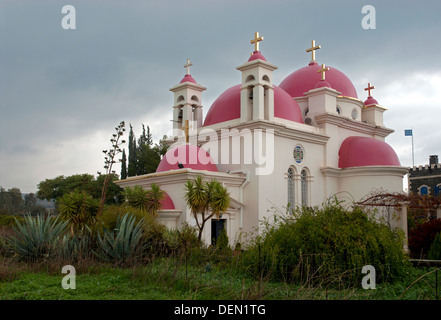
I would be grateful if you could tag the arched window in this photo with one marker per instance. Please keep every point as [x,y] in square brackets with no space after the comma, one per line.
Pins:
[437,192]
[423,190]
[291,189]
[304,186]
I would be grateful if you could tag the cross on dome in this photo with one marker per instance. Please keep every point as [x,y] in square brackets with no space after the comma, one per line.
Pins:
[369,88]
[187,65]
[256,41]
[323,70]
[312,50]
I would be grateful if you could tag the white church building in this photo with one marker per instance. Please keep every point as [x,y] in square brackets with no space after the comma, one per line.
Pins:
[298,143]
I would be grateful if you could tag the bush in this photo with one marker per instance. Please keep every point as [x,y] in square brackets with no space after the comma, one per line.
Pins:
[422,237]
[435,249]
[324,242]
[9,220]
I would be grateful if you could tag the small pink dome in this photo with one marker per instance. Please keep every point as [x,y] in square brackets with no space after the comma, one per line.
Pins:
[227,106]
[167,202]
[188,78]
[364,151]
[256,55]
[370,101]
[190,156]
[305,79]
[322,83]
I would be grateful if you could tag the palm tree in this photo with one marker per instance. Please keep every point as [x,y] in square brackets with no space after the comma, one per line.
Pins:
[78,208]
[149,201]
[206,199]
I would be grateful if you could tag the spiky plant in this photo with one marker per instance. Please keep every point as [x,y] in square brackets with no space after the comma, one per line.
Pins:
[78,208]
[36,237]
[122,243]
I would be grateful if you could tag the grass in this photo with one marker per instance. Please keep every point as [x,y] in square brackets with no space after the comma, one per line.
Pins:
[167,279]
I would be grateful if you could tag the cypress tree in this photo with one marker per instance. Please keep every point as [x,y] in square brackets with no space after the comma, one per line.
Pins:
[132,166]
[124,165]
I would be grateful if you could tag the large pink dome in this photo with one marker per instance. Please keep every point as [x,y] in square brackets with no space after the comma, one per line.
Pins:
[189,156]
[227,106]
[306,78]
[364,151]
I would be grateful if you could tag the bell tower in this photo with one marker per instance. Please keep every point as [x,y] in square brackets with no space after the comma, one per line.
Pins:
[257,91]
[187,102]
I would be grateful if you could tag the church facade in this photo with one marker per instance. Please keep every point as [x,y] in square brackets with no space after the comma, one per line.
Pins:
[273,146]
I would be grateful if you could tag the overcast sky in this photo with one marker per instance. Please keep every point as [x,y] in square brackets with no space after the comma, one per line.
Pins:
[62,92]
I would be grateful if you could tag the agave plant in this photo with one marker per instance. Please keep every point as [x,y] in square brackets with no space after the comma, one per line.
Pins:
[36,237]
[123,242]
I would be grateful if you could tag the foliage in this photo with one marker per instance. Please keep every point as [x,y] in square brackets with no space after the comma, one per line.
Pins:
[109,161]
[11,201]
[323,241]
[422,236]
[143,155]
[36,237]
[78,208]
[122,243]
[206,199]
[147,200]
[8,220]
[435,249]
[53,189]
[123,174]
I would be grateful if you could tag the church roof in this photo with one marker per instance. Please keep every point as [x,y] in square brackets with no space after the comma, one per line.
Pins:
[257,55]
[306,78]
[364,151]
[188,78]
[189,156]
[227,106]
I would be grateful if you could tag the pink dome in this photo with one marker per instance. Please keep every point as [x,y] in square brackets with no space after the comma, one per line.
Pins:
[306,78]
[370,101]
[256,55]
[188,78]
[227,106]
[167,202]
[189,156]
[363,151]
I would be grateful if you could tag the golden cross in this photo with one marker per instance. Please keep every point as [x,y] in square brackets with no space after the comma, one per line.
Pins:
[186,128]
[312,49]
[187,65]
[256,41]
[369,88]
[323,70]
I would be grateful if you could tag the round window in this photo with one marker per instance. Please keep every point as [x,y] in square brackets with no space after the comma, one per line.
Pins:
[298,154]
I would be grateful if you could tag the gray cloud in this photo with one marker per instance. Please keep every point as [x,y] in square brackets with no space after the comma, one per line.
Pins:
[63,91]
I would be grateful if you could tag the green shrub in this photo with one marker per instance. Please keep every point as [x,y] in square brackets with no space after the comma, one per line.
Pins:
[36,237]
[325,242]
[9,220]
[122,243]
[435,249]
[422,237]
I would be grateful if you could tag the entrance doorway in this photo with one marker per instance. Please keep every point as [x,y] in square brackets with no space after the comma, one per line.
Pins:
[217,226]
